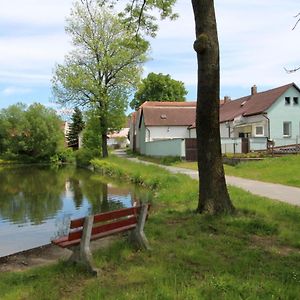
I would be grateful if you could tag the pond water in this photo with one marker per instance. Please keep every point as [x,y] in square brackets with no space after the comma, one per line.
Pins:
[37,202]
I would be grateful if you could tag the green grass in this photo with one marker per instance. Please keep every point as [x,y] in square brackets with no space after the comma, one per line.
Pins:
[254,254]
[284,170]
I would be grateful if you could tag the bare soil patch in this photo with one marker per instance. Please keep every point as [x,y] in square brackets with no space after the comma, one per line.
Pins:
[42,256]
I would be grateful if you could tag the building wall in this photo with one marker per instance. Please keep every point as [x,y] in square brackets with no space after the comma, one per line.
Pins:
[174,147]
[279,112]
[166,132]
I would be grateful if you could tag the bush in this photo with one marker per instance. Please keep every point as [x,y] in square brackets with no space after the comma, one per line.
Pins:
[84,156]
[66,155]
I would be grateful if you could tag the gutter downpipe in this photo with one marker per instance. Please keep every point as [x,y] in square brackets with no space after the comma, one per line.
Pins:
[264,115]
[269,135]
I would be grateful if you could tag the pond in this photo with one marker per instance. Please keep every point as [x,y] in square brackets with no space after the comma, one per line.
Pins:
[37,202]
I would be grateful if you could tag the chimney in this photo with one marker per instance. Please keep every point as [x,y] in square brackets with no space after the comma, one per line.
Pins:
[227,99]
[254,90]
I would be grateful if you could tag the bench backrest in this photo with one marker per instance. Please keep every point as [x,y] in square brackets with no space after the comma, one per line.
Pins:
[105,222]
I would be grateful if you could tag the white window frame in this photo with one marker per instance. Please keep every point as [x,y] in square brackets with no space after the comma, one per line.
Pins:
[259,134]
[290,129]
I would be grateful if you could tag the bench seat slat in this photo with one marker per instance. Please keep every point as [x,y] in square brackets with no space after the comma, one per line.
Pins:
[106,216]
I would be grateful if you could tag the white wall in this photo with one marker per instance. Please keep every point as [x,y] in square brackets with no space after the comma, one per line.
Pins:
[166,132]
[174,147]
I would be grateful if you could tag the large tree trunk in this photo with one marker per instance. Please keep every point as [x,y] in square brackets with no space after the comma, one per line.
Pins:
[104,145]
[213,194]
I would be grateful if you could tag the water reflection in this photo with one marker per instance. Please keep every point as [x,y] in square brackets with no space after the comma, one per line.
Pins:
[36,203]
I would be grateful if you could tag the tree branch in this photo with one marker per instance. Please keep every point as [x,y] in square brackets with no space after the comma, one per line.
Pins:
[289,71]
[297,16]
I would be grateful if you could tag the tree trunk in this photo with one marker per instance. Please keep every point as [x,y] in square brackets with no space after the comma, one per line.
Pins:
[103,126]
[104,145]
[213,194]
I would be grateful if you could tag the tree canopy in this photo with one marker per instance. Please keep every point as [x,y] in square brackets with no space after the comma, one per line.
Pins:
[104,66]
[158,87]
[34,131]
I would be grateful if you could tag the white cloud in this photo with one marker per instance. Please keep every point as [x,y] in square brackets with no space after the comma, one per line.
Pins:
[12,90]
[256,42]
[35,12]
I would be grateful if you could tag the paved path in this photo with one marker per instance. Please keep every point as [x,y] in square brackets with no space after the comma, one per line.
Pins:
[274,191]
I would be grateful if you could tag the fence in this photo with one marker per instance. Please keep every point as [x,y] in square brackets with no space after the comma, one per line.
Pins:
[236,145]
[171,147]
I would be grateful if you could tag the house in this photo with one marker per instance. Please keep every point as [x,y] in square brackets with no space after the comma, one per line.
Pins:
[250,123]
[119,139]
[246,124]
[159,128]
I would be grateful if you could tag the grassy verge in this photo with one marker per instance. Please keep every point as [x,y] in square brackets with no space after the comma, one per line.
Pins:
[284,170]
[251,255]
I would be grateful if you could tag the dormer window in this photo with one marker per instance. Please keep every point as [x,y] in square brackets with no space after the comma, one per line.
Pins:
[295,101]
[287,100]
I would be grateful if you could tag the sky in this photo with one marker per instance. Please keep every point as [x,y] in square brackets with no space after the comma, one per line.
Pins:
[256,44]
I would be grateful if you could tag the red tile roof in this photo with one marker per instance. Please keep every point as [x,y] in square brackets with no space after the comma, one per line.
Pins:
[169,103]
[169,116]
[253,104]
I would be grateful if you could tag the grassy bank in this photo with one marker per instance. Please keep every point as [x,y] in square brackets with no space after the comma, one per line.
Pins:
[284,170]
[251,255]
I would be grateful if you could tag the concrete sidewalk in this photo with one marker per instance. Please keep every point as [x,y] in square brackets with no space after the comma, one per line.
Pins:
[274,191]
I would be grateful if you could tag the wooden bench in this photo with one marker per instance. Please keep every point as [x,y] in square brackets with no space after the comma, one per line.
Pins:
[83,230]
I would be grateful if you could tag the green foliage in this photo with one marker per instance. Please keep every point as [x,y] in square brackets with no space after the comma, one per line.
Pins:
[138,14]
[91,137]
[66,155]
[104,66]
[76,127]
[84,156]
[33,132]
[158,87]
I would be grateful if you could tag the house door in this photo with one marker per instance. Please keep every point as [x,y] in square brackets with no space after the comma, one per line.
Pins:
[245,145]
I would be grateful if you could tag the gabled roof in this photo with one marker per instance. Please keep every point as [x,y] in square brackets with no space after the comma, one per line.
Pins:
[169,104]
[169,116]
[254,104]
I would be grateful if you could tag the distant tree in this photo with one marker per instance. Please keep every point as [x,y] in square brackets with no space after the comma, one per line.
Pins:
[91,138]
[35,131]
[13,129]
[158,87]
[105,65]
[76,127]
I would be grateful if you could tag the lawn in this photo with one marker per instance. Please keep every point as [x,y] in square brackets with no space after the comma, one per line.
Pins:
[254,254]
[284,170]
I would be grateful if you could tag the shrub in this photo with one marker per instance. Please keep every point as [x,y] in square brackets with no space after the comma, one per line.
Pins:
[84,156]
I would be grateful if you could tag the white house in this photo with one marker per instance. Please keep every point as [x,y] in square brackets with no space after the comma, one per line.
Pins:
[270,115]
[159,128]
[247,124]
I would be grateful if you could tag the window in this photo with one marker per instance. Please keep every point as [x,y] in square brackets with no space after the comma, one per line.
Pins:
[287,129]
[295,101]
[259,131]
[287,100]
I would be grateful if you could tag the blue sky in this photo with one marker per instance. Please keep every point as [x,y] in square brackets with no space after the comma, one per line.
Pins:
[256,42]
